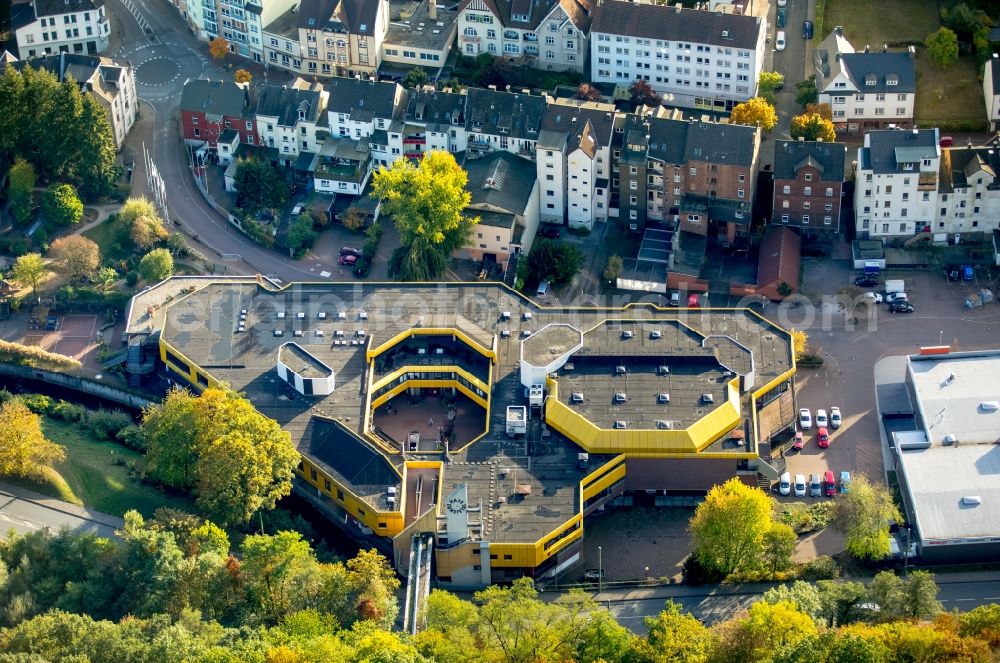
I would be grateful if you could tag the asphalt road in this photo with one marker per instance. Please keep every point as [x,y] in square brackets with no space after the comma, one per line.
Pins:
[29,515]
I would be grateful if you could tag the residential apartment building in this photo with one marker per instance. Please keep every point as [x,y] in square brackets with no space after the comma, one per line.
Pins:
[991,91]
[574,162]
[546,34]
[700,176]
[46,27]
[420,36]
[112,82]
[968,191]
[867,89]
[289,118]
[368,109]
[239,22]
[504,197]
[432,121]
[896,186]
[808,184]
[508,121]
[209,108]
[692,58]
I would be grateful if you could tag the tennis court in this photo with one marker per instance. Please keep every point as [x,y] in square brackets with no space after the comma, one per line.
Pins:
[73,337]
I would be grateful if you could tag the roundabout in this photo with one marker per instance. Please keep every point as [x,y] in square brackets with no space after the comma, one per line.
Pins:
[157,71]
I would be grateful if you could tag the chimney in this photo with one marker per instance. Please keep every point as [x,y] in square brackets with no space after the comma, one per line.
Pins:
[678,7]
[839,30]
[432,10]
[913,52]
[867,48]
[246,97]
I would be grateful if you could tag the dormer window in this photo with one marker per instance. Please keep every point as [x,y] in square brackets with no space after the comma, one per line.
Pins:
[892,79]
[302,116]
[871,80]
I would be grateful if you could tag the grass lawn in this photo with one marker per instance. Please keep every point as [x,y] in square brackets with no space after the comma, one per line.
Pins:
[89,476]
[954,93]
[877,22]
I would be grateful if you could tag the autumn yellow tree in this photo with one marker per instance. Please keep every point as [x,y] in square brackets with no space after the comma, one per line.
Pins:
[813,126]
[755,112]
[242,76]
[218,47]
[24,450]
[800,343]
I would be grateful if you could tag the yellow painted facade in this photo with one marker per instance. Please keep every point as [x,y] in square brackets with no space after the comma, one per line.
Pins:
[376,350]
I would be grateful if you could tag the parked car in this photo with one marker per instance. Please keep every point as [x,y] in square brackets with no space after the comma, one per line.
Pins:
[779,41]
[298,209]
[845,482]
[874,296]
[901,307]
[807,29]
[835,419]
[895,297]
[782,3]
[348,259]
[350,251]
[593,575]
[866,281]
[800,441]
[821,419]
[799,487]
[805,419]
[549,231]
[675,298]
[968,274]
[785,484]
[822,437]
[815,486]
[954,273]
[782,18]
[829,484]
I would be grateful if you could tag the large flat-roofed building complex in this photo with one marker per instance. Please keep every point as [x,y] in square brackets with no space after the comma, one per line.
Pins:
[471,413]
[949,466]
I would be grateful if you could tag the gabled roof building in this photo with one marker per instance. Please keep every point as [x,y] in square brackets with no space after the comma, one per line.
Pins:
[808,184]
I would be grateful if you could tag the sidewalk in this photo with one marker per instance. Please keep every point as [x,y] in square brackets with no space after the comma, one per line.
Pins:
[42,511]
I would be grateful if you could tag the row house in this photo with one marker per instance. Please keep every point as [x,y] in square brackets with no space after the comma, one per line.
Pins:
[506,121]
[240,22]
[968,191]
[111,82]
[343,166]
[896,186]
[546,34]
[808,184]
[47,27]
[503,193]
[866,90]
[991,91]
[574,162]
[433,120]
[693,174]
[420,36]
[370,109]
[692,58]
[290,119]
[210,108]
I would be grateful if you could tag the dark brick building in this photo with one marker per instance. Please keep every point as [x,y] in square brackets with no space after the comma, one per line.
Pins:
[208,108]
[808,180]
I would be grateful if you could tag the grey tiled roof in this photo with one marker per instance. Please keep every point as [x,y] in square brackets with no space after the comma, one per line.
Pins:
[344,16]
[672,24]
[356,97]
[435,108]
[508,113]
[284,103]
[56,7]
[216,97]
[994,63]
[789,154]
[959,164]
[720,143]
[881,72]
[569,117]
[880,155]
[502,181]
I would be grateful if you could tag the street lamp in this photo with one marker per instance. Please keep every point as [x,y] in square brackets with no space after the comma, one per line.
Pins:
[647,574]
[600,570]
[940,337]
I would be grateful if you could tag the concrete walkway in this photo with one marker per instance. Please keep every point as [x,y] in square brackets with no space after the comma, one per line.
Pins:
[27,511]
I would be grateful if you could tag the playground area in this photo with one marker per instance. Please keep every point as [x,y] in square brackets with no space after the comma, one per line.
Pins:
[71,335]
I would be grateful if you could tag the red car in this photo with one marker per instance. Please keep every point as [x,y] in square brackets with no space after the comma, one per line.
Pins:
[348,260]
[829,484]
[799,441]
[823,437]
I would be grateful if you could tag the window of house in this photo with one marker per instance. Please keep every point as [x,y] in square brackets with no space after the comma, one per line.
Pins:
[809,177]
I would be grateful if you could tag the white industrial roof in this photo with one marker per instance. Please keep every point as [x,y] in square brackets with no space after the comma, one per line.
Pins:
[954,395]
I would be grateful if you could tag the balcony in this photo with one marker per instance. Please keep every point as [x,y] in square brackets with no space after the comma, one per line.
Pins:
[415,140]
[469,39]
[927,182]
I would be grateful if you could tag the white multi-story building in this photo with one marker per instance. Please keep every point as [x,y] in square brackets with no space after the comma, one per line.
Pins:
[508,121]
[547,34]
[46,27]
[433,121]
[866,90]
[896,190]
[991,91]
[574,162]
[968,192]
[692,58]
[288,118]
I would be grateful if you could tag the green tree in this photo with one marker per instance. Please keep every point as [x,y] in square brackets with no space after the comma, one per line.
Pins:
[858,647]
[276,569]
[21,181]
[806,92]
[770,81]
[982,622]
[812,126]
[75,256]
[259,186]
[839,601]
[557,262]
[172,451]
[96,153]
[913,597]
[61,204]
[448,628]
[354,219]
[804,596]
[12,112]
[755,112]
[372,585]
[426,203]
[301,235]
[613,269]
[673,635]
[863,515]
[29,270]
[728,528]
[106,278]
[24,450]
[140,223]
[942,47]
[765,630]
[156,265]
[416,77]
[779,546]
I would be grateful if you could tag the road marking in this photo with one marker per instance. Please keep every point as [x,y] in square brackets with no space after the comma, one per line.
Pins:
[957,600]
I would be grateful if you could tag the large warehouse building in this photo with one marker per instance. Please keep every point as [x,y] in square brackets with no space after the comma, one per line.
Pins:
[949,467]
[472,417]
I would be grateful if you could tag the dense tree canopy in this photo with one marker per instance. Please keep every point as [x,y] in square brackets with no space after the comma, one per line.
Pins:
[61,204]
[75,256]
[755,112]
[555,261]
[156,265]
[812,126]
[29,271]
[259,185]
[864,514]
[21,181]
[942,47]
[217,445]
[24,449]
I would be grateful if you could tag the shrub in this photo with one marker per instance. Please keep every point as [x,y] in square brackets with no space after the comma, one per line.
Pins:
[133,437]
[132,278]
[107,424]
[822,568]
[37,403]
[67,411]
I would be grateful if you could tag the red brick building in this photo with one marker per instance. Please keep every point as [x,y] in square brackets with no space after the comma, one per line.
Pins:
[208,108]
[808,180]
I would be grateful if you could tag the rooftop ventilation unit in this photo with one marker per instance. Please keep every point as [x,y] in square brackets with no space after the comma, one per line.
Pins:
[656,334]
[663,398]
[568,367]
[620,397]
[527,315]
[707,398]
[627,334]
[663,370]
[972,500]
[339,333]
[319,333]
[391,490]
[391,501]
[321,315]
[504,333]
[576,397]
[363,315]
[620,424]
[505,315]
[361,333]
[526,333]
[297,332]
[342,315]
[278,332]
[663,424]
[300,315]
[419,322]
[620,370]
[989,406]
[281,315]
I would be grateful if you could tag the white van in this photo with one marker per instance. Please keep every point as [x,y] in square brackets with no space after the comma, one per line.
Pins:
[785,484]
[800,485]
[543,289]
